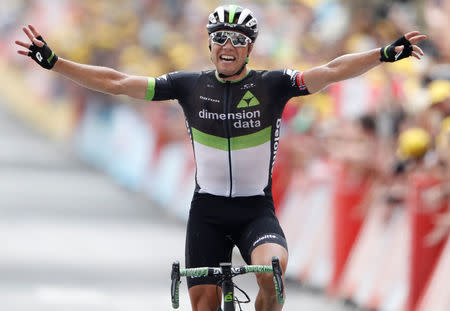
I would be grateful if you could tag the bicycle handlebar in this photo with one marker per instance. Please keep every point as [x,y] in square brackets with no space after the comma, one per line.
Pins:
[177,273]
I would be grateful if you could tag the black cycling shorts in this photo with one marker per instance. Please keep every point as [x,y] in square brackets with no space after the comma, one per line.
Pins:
[216,224]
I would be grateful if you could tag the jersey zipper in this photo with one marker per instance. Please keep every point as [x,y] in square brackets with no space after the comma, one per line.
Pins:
[227,105]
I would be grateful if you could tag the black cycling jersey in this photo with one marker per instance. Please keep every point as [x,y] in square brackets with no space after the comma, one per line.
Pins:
[234,126]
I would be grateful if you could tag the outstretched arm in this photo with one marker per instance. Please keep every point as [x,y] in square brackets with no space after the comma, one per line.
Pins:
[352,65]
[103,79]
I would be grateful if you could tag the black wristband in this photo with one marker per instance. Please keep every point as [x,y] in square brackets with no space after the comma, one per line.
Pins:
[388,53]
[44,56]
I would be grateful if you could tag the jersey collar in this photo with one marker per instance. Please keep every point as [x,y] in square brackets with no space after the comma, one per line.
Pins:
[224,81]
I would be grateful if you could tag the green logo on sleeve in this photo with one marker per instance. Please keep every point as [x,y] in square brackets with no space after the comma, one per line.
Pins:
[248,100]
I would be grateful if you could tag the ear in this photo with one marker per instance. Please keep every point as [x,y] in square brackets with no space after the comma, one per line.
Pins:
[209,44]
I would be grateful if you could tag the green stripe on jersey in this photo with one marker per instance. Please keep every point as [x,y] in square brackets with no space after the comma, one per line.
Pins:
[150,93]
[236,143]
[210,140]
[251,140]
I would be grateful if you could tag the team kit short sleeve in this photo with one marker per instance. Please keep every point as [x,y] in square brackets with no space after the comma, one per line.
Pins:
[174,85]
[234,126]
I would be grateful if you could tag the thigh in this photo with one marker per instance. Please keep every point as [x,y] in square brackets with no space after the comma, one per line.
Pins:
[207,245]
[262,230]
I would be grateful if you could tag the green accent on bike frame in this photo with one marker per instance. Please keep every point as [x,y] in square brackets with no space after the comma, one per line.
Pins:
[385,51]
[51,57]
[236,143]
[194,272]
[233,9]
[150,93]
[224,81]
[258,269]
[229,297]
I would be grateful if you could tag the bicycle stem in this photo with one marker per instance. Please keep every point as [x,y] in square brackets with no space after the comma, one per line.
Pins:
[227,287]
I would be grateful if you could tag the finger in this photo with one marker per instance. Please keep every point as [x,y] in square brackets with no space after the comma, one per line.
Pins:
[25,53]
[39,43]
[411,34]
[25,45]
[417,49]
[28,33]
[34,31]
[416,39]
[415,54]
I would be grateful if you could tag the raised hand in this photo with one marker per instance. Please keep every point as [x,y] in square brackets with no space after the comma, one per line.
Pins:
[38,49]
[403,47]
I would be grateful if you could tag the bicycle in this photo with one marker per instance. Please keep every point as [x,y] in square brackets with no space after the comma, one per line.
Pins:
[225,273]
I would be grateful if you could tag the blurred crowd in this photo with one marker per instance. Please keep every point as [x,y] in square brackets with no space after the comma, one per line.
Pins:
[382,127]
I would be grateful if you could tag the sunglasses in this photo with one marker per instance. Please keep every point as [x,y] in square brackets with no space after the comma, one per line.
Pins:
[237,39]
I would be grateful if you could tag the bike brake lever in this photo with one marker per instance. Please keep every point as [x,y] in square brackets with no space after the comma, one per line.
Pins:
[175,287]
[277,273]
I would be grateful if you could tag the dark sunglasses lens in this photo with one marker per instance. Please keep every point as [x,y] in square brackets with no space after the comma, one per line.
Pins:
[239,40]
[219,38]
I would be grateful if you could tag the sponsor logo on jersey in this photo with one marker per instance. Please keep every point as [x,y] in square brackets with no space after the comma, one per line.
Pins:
[209,99]
[248,100]
[242,119]
[276,139]
[248,86]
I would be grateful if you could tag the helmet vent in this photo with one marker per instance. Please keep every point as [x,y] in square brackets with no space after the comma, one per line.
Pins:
[245,16]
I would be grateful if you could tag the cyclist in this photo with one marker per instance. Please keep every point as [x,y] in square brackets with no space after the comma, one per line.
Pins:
[233,117]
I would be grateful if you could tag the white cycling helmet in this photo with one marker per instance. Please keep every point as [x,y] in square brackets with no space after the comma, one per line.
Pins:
[233,17]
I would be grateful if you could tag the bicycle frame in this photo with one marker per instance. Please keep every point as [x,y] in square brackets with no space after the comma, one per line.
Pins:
[226,271]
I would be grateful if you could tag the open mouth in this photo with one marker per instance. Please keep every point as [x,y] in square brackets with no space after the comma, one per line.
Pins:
[227,58]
